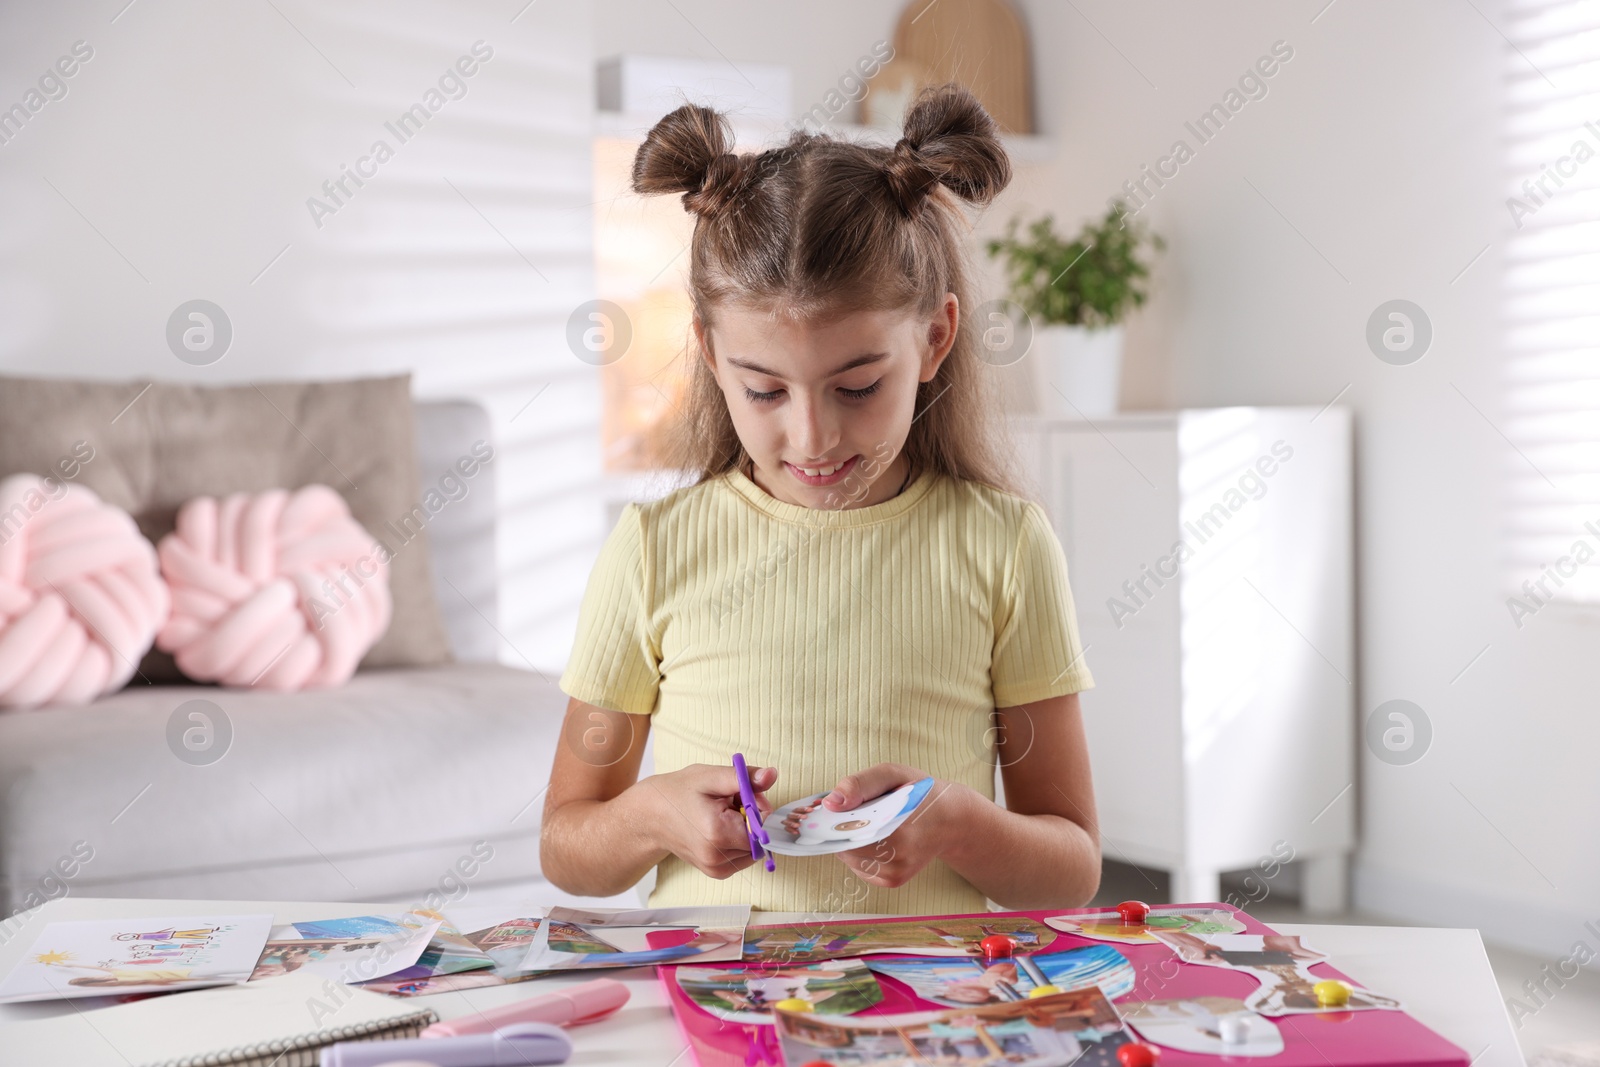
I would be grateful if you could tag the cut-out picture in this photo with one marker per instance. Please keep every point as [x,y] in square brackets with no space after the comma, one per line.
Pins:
[283,956]
[747,994]
[574,939]
[811,942]
[1217,1026]
[501,932]
[959,982]
[354,949]
[506,942]
[448,952]
[1079,1027]
[570,937]
[805,828]
[1279,962]
[1108,925]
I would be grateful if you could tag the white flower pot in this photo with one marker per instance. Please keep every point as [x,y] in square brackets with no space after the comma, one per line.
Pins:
[1076,370]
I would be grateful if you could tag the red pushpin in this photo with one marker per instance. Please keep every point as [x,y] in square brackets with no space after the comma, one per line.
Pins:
[1138,1054]
[1133,912]
[997,947]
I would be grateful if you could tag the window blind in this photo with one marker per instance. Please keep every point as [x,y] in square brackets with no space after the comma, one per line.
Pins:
[1552,303]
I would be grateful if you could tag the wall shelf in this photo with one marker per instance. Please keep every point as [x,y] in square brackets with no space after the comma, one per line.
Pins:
[1023,148]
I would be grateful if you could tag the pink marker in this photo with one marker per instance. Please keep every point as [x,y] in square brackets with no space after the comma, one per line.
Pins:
[584,1003]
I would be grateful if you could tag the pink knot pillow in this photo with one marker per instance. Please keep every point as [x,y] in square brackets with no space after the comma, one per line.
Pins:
[275,590]
[80,595]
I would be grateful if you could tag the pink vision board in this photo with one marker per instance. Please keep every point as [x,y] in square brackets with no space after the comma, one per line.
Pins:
[1327,1039]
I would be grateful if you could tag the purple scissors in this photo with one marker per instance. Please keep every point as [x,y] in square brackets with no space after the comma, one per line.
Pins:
[752,813]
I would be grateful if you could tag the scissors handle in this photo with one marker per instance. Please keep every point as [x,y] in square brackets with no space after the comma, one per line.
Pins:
[752,813]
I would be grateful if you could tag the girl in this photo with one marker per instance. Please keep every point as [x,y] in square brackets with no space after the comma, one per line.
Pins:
[850,593]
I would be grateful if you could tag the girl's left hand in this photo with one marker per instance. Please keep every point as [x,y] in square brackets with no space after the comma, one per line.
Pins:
[928,832]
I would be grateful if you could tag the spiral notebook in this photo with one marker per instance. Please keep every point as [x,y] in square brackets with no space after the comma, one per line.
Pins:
[274,1022]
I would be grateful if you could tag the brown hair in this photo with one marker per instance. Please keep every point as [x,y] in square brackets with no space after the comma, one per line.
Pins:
[819,227]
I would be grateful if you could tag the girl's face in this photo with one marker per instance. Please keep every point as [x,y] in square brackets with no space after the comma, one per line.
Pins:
[824,409]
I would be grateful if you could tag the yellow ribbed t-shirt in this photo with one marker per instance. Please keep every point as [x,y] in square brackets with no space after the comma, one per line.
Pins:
[821,642]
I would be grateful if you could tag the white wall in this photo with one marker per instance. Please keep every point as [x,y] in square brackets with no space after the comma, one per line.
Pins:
[1371,170]
[179,164]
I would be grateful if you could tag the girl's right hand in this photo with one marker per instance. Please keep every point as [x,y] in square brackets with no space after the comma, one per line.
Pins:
[696,815]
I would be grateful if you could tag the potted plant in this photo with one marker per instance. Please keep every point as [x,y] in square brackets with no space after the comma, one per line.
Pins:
[1077,293]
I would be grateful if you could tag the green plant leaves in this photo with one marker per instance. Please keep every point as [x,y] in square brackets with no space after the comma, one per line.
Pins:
[1092,280]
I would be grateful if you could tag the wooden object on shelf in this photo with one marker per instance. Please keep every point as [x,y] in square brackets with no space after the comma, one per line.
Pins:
[982,44]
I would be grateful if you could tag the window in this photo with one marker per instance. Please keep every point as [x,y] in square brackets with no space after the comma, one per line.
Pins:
[1552,301]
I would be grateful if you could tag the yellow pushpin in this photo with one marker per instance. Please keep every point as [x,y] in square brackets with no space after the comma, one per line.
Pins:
[1332,993]
[1043,991]
[793,1004]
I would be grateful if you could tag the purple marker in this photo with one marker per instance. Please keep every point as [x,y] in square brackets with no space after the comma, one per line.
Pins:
[752,813]
[516,1045]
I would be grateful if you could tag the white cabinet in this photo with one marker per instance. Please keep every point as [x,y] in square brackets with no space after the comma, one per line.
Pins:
[1209,553]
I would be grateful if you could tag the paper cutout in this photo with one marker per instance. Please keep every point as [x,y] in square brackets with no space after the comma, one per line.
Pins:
[1108,925]
[810,942]
[448,952]
[1078,1027]
[94,958]
[1279,962]
[747,994]
[501,932]
[354,949]
[963,982]
[805,828]
[578,938]
[1197,1025]
[506,941]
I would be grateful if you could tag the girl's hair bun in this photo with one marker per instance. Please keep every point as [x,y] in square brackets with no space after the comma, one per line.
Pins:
[949,139]
[690,152]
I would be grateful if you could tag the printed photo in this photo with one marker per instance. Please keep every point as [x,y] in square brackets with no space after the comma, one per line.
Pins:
[747,994]
[348,950]
[501,933]
[575,938]
[1108,925]
[958,982]
[1078,1027]
[813,942]
[1279,962]
[805,828]
[280,956]
[506,942]
[449,951]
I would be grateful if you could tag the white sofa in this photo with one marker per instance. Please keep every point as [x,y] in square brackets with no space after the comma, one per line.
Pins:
[420,786]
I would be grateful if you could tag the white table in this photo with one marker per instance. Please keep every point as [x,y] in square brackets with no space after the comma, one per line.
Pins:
[1442,976]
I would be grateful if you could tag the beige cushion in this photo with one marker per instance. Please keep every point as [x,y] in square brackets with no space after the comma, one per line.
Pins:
[155,445]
